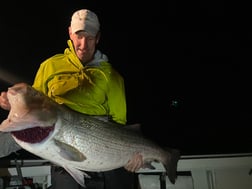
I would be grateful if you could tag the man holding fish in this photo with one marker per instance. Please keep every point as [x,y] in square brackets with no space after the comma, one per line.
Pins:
[82,79]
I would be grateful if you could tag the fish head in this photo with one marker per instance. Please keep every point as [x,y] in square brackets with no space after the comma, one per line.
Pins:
[21,97]
[29,108]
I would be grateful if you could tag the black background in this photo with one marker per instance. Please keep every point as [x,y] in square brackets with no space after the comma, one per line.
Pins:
[186,64]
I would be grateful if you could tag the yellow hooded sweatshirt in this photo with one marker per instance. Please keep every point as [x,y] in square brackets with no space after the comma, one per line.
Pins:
[94,89]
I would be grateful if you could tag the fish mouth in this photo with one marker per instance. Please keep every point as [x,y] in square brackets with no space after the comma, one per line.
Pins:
[33,135]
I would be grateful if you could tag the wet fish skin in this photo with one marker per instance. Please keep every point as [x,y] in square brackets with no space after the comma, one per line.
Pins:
[75,141]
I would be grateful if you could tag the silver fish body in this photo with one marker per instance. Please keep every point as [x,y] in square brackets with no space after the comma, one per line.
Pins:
[75,141]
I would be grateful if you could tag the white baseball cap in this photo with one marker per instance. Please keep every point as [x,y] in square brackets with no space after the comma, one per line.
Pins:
[85,20]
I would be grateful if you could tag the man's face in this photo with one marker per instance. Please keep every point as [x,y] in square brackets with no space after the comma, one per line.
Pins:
[84,45]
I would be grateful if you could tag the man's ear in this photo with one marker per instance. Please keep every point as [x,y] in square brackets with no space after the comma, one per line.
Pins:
[98,37]
[70,32]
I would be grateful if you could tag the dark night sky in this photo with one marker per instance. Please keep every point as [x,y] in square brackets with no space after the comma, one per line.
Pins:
[186,66]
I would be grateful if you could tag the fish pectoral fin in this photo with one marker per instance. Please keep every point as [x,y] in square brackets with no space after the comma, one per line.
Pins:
[69,152]
[78,175]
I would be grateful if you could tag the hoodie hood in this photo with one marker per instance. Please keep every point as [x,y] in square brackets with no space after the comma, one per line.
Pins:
[98,56]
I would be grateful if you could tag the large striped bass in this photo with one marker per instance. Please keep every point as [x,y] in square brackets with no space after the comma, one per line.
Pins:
[75,141]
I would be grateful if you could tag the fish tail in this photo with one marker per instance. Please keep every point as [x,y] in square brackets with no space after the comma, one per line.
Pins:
[171,165]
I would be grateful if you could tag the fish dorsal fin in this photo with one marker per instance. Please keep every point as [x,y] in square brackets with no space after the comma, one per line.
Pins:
[69,152]
[134,127]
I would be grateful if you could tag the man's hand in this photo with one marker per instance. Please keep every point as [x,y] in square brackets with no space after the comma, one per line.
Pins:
[135,163]
[4,103]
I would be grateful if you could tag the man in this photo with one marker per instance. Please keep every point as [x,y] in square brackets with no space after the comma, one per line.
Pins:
[82,79]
